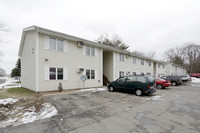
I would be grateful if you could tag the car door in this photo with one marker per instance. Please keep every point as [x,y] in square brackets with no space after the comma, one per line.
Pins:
[120,83]
[131,82]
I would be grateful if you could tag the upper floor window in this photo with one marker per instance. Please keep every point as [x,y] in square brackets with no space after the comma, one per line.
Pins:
[121,57]
[142,62]
[90,51]
[163,66]
[158,65]
[149,63]
[56,44]
[134,60]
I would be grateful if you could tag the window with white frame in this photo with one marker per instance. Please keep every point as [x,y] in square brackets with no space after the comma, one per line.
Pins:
[134,60]
[158,65]
[55,73]
[149,63]
[56,44]
[121,73]
[142,62]
[134,73]
[90,51]
[121,57]
[90,73]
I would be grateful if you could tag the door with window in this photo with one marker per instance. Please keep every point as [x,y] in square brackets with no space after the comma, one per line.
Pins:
[120,83]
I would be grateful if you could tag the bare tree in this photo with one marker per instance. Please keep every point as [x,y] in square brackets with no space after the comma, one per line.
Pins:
[187,55]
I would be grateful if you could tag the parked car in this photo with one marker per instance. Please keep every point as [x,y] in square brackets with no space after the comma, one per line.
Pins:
[138,83]
[174,79]
[161,83]
[186,78]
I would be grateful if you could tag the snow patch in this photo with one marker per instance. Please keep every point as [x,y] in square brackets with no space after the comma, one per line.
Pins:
[195,80]
[8,100]
[10,81]
[156,98]
[27,116]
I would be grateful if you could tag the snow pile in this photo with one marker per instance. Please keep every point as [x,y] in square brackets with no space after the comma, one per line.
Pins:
[20,115]
[8,100]
[93,89]
[195,80]
[156,98]
[10,83]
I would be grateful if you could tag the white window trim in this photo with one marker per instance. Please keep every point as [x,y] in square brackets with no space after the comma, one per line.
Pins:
[90,51]
[120,58]
[46,73]
[95,74]
[47,44]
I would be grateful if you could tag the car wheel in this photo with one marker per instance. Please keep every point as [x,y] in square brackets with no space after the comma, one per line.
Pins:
[174,83]
[138,92]
[159,86]
[111,89]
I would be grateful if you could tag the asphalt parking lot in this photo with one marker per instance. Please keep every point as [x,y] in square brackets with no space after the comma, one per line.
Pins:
[175,109]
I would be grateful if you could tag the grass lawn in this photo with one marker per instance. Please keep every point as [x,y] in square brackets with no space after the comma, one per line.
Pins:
[19,90]
[16,92]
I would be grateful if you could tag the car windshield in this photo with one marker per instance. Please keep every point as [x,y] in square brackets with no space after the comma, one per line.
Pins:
[151,79]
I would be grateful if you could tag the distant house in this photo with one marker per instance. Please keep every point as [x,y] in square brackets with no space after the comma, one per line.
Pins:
[49,57]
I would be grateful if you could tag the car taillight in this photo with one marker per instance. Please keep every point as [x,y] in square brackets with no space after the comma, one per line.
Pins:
[149,87]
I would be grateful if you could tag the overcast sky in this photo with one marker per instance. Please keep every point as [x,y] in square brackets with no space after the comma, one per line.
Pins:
[145,25]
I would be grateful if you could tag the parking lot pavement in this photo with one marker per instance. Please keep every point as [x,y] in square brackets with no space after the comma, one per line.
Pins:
[175,109]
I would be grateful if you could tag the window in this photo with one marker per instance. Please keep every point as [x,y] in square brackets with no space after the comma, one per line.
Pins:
[90,51]
[134,73]
[142,73]
[56,44]
[134,60]
[158,65]
[87,50]
[121,80]
[131,79]
[55,73]
[52,43]
[141,79]
[59,73]
[121,73]
[121,57]
[148,73]
[60,45]
[142,62]
[90,74]
[52,73]
[149,63]
[163,66]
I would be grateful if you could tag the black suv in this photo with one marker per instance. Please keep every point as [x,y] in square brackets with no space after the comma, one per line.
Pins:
[138,83]
[174,79]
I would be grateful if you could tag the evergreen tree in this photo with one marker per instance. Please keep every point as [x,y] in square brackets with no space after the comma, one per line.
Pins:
[17,70]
